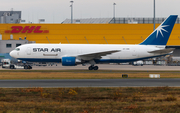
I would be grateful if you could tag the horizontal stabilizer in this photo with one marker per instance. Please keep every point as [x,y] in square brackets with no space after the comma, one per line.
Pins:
[162,51]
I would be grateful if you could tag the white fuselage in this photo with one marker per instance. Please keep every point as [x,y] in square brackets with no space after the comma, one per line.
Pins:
[74,54]
[54,52]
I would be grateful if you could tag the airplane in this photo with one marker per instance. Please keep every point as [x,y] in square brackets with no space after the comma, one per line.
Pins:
[74,54]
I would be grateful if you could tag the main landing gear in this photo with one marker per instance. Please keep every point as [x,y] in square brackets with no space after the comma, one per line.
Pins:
[27,67]
[92,67]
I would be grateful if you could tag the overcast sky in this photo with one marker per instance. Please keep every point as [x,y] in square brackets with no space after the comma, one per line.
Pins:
[55,11]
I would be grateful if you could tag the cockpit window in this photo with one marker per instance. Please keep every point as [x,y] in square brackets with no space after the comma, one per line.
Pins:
[17,49]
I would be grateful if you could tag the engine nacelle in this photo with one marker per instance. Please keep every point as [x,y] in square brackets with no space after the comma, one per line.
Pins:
[69,61]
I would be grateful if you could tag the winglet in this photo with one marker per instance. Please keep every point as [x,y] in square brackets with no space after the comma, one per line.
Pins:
[161,34]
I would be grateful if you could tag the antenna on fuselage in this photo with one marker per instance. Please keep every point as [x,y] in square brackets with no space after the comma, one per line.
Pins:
[47,39]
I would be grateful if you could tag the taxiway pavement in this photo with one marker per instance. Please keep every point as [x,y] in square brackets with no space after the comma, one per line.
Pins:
[108,67]
[90,83]
[172,82]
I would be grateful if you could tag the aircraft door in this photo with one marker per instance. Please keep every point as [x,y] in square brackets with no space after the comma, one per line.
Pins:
[28,51]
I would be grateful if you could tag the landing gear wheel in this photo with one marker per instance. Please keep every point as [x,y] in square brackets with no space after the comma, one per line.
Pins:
[96,67]
[25,67]
[11,67]
[30,67]
[90,67]
[93,67]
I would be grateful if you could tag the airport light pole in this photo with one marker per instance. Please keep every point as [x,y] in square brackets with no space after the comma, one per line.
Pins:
[114,11]
[71,11]
[154,16]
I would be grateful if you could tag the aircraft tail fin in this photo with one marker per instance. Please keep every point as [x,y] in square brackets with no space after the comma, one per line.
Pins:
[161,34]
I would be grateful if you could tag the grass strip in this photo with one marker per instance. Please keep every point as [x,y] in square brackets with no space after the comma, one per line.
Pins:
[28,74]
[88,100]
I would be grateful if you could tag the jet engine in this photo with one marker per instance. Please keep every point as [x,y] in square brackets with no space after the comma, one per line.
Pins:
[69,61]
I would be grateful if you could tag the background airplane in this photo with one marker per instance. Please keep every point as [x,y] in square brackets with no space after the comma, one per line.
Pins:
[74,54]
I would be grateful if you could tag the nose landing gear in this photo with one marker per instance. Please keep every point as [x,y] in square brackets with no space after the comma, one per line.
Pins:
[92,67]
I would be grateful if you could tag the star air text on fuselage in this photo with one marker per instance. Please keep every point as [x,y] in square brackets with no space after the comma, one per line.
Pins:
[46,50]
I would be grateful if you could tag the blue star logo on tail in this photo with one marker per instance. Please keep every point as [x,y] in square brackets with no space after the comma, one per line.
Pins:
[160,36]
[160,29]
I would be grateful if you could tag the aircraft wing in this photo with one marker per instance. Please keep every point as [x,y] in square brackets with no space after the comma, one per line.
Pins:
[96,55]
[162,51]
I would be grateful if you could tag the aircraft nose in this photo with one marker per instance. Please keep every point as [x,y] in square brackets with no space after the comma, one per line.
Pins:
[12,54]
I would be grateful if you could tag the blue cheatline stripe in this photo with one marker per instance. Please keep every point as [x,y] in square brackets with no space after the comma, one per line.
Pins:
[96,60]
[161,35]
[39,60]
